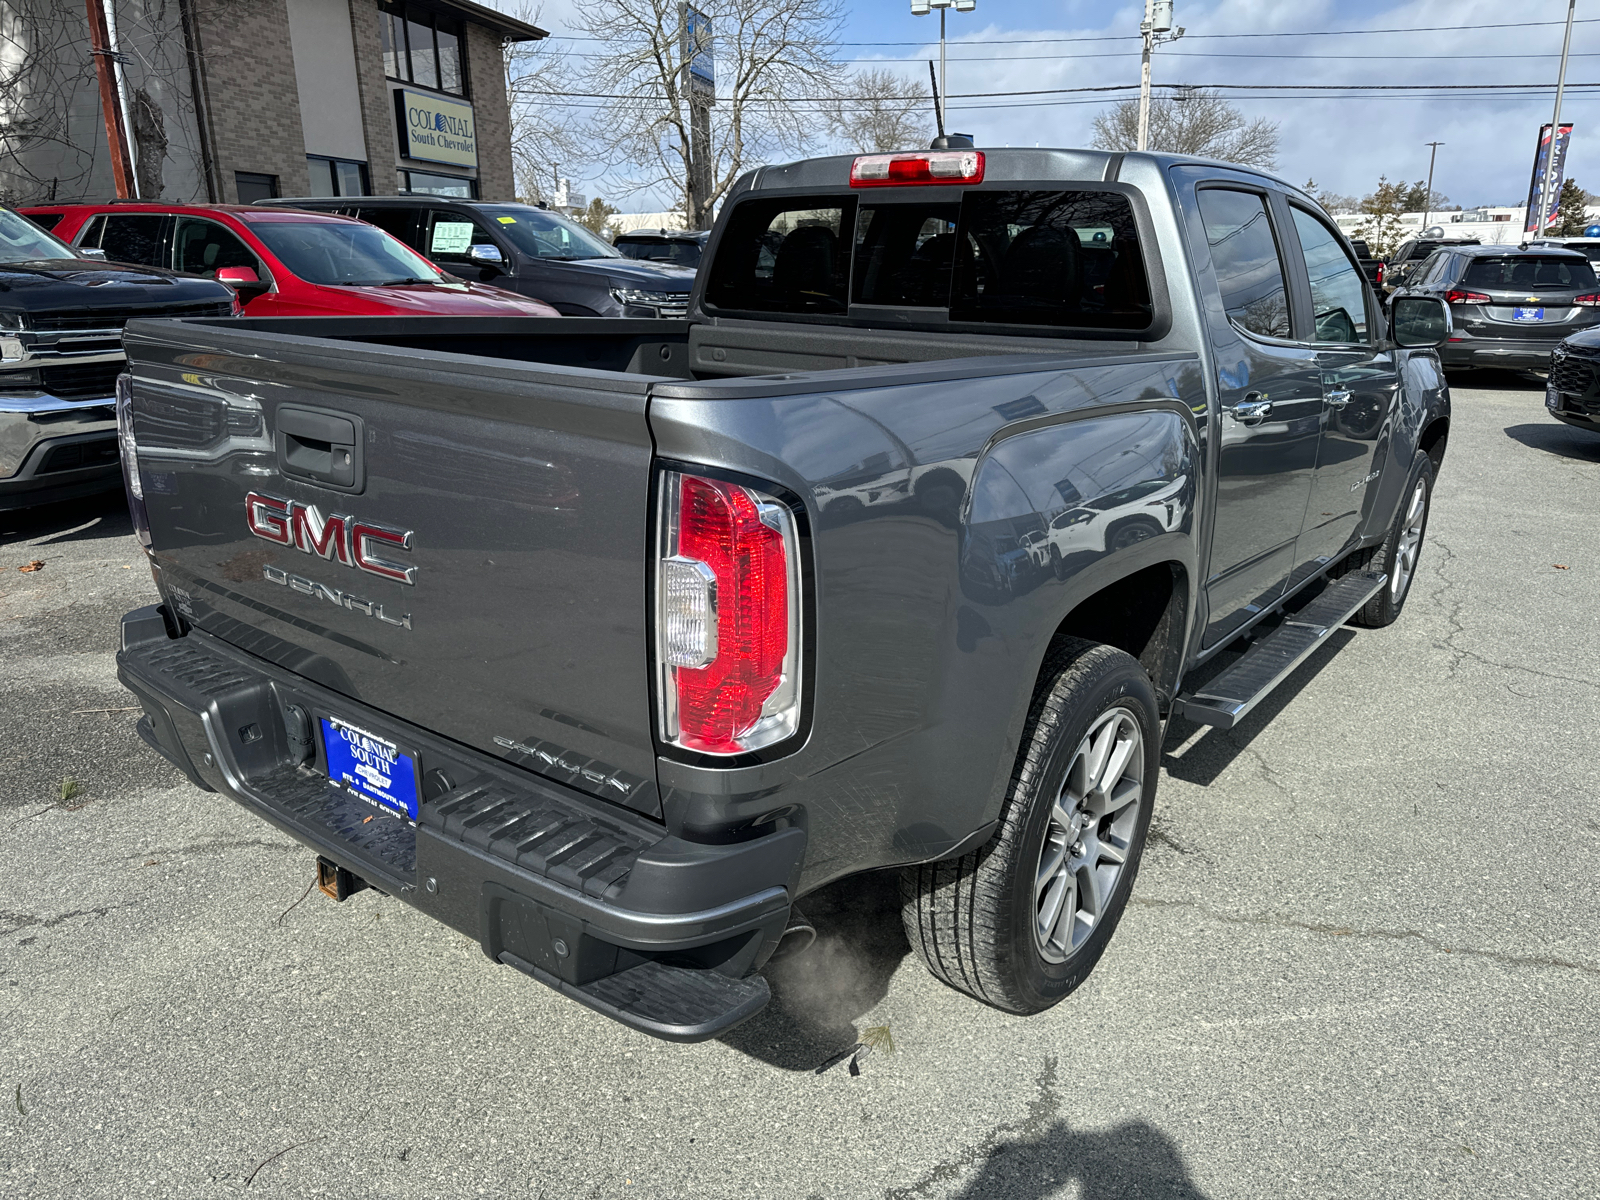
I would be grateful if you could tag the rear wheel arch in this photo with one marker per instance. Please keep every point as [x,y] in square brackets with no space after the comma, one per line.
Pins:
[1143,612]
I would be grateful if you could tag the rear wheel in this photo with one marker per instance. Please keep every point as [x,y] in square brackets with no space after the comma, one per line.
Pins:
[1020,922]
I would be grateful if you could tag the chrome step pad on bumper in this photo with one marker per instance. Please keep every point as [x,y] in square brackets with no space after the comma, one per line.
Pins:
[1225,700]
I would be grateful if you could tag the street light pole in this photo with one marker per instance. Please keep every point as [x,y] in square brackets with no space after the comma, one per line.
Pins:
[921,8]
[1555,130]
[1427,201]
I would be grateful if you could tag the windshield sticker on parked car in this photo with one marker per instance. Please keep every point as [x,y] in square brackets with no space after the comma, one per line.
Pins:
[451,237]
[506,220]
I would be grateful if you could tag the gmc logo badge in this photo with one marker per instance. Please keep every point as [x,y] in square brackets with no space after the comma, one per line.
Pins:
[338,538]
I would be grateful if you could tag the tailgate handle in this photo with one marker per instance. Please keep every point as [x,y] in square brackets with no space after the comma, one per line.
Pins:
[320,447]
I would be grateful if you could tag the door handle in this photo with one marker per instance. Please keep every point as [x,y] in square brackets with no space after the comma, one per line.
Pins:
[1338,399]
[1252,409]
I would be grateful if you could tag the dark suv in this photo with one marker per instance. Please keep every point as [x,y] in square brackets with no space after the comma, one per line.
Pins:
[1510,306]
[529,250]
[1410,254]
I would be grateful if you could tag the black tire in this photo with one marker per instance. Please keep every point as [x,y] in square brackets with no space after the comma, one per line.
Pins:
[973,919]
[1384,608]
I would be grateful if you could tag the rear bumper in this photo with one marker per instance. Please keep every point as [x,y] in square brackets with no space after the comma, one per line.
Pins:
[1530,354]
[605,906]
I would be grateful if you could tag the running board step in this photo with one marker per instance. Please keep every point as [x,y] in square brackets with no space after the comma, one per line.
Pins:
[678,1004]
[1225,700]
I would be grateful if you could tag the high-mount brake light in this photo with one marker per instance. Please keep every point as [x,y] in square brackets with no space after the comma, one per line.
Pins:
[727,616]
[1457,296]
[1592,300]
[921,167]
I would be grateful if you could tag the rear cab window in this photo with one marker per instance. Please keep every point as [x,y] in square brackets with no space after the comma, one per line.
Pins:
[1068,259]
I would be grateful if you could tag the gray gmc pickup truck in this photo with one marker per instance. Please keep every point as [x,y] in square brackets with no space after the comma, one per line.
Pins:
[605,642]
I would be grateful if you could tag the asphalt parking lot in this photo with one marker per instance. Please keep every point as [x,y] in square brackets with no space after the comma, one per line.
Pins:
[1363,958]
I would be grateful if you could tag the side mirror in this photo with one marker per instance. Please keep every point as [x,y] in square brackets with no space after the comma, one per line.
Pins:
[488,255]
[1416,322]
[91,252]
[243,280]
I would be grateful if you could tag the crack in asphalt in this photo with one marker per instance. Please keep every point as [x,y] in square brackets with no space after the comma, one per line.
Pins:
[203,847]
[1389,935]
[29,920]
[1458,628]
[1042,1109]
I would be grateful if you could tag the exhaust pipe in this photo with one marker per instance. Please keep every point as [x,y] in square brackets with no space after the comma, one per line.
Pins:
[797,936]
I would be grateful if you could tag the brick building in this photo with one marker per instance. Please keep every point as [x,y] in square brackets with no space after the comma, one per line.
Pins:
[242,100]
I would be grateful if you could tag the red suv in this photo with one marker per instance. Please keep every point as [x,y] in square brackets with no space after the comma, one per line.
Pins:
[282,262]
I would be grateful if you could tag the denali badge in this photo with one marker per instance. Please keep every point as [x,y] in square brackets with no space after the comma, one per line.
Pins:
[309,587]
[337,538]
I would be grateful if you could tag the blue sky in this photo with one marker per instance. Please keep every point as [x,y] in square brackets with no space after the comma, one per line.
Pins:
[1344,142]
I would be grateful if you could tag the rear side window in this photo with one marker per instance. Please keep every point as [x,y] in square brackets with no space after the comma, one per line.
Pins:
[1244,255]
[1529,272]
[397,222]
[784,257]
[132,238]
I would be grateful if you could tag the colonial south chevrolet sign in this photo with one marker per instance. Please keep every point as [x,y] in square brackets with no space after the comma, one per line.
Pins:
[435,129]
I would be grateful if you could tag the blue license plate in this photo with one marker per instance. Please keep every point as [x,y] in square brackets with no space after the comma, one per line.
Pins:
[1527,314]
[372,767]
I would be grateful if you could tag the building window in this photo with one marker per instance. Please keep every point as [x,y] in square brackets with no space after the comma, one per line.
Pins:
[422,48]
[253,187]
[438,185]
[337,177]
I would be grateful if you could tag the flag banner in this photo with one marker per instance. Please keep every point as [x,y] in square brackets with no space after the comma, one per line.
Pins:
[1541,163]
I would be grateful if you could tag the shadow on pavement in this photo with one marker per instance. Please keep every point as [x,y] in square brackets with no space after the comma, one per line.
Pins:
[1495,379]
[1556,438]
[819,994]
[89,519]
[1134,1161]
[1202,762]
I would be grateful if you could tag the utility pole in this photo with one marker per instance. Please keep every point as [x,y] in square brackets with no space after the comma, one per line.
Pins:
[1427,201]
[1555,130]
[1157,21]
[100,49]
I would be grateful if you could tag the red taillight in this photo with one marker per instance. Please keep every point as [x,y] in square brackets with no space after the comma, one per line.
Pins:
[1455,296]
[924,166]
[728,616]
[1382,267]
[1592,300]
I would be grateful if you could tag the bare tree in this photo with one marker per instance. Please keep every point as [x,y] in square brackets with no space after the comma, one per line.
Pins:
[1334,202]
[1198,122]
[547,141]
[774,59]
[883,112]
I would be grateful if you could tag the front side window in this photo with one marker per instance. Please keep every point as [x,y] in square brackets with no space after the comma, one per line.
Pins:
[341,253]
[23,241]
[451,235]
[1244,256]
[203,248]
[543,234]
[785,256]
[1338,293]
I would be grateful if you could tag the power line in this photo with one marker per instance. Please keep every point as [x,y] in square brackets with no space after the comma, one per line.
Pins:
[1133,37]
[917,62]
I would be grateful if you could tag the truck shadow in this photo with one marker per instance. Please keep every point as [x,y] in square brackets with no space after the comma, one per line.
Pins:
[90,519]
[1128,1161]
[820,993]
[1207,758]
[1563,440]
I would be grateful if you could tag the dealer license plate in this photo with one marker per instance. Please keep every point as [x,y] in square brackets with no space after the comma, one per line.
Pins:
[372,767]
[1527,314]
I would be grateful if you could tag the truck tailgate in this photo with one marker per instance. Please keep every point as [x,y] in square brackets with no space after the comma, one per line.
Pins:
[512,496]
